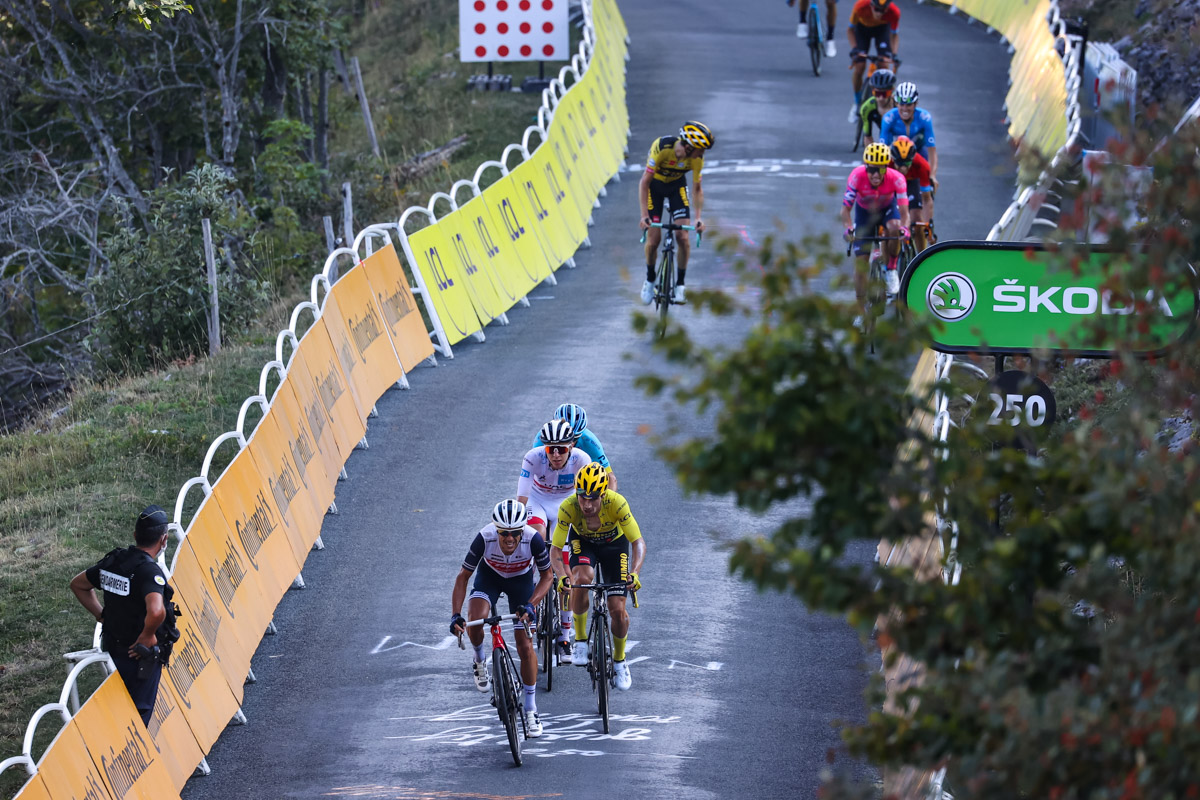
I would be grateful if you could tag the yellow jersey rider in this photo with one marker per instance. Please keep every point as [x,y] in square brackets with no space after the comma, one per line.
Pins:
[597,527]
[665,179]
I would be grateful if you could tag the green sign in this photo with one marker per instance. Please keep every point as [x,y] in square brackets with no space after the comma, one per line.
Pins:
[1007,297]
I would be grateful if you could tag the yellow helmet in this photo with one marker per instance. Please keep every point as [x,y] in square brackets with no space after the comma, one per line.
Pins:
[591,480]
[877,154]
[697,134]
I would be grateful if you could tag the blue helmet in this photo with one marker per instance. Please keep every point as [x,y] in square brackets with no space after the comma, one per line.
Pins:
[573,414]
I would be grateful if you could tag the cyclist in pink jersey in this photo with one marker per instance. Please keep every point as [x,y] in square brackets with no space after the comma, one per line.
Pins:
[878,196]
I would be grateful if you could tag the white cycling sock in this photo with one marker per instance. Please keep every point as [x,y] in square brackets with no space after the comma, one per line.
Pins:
[530,697]
[478,651]
[565,616]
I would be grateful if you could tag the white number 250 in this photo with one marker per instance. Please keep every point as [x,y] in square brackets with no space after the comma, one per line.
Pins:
[1034,407]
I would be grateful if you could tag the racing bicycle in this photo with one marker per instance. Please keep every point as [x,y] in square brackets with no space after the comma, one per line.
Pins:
[507,692]
[600,663]
[876,297]
[664,284]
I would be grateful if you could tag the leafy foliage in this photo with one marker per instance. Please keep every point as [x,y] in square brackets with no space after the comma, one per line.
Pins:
[1065,662]
[155,296]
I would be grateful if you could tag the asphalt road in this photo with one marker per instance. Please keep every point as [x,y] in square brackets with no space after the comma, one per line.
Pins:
[362,693]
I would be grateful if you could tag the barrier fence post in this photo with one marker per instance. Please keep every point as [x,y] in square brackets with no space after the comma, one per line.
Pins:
[366,109]
[214,308]
[347,214]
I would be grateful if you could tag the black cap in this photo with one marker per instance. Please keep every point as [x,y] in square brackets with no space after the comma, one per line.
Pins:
[151,517]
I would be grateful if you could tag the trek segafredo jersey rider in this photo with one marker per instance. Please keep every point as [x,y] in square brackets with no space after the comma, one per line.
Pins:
[547,487]
[485,549]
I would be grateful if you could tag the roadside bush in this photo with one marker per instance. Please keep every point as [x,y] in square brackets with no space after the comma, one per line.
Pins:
[154,297]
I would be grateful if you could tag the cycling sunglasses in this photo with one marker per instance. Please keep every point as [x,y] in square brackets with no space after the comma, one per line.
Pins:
[592,496]
[882,93]
[510,533]
[557,449]
[903,164]
[875,170]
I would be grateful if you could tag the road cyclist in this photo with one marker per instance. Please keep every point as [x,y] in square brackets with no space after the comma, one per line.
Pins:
[871,21]
[882,84]
[915,169]
[830,19]
[906,119]
[586,441]
[665,181]
[501,557]
[597,529]
[876,195]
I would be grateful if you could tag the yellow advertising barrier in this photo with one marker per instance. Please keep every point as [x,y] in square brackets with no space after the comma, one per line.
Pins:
[194,690]
[67,769]
[34,789]
[514,222]
[582,176]
[357,330]
[319,379]
[486,291]
[292,496]
[495,246]
[315,458]
[468,249]
[444,284]
[127,759]
[595,165]
[258,525]
[564,223]
[221,593]
[399,307]
[534,198]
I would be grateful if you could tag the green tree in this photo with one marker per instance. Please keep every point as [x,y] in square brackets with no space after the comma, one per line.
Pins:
[1065,663]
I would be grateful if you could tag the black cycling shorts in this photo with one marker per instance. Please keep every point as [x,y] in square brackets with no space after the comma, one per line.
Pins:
[914,195]
[674,194]
[881,35]
[612,558]
[489,585]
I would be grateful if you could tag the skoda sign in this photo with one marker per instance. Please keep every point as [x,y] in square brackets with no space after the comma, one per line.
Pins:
[1009,298]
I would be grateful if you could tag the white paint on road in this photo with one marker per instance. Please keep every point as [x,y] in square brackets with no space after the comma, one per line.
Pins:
[778,167]
[383,646]
[712,666]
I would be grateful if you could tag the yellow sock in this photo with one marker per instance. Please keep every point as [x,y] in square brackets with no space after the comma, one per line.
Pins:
[580,626]
[619,648]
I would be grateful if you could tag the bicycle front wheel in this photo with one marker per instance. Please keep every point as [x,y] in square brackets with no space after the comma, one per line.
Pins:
[666,286]
[548,634]
[506,702]
[601,661]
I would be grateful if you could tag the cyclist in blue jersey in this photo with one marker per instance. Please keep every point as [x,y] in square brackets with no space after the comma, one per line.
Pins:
[585,440]
[915,123]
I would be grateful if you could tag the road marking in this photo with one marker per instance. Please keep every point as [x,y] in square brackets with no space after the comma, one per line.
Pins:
[780,167]
[631,661]
[412,793]
[712,666]
[383,648]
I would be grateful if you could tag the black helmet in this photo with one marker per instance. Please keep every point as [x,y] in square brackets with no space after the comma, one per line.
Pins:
[883,80]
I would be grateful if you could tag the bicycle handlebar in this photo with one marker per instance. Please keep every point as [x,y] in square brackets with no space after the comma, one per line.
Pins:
[495,619]
[671,226]
[605,586]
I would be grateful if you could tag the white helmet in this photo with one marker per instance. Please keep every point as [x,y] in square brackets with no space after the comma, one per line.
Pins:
[906,93]
[510,515]
[557,431]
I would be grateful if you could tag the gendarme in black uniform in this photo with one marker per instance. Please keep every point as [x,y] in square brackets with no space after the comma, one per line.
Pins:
[128,577]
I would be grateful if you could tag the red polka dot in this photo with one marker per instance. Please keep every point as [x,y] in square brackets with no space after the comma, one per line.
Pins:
[526,50]
[502,27]
[480,5]
[548,27]
[480,51]
[502,5]
[524,5]
[548,50]
[525,27]
[503,51]
[547,4]
[480,27]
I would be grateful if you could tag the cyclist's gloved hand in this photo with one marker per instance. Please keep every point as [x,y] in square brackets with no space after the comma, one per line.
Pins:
[699,225]
[856,54]
[635,583]
[457,624]
[848,235]
[644,224]
[905,232]
[562,584]
[527,613]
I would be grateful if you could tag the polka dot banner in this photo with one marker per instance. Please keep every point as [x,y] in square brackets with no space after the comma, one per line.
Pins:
[513,30]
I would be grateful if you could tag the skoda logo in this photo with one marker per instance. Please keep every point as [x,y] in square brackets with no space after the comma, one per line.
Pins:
[950,296]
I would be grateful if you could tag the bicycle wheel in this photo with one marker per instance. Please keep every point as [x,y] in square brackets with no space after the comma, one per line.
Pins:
[666,285]
[814,39]
[600,661]
[506,702]
[548,634]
